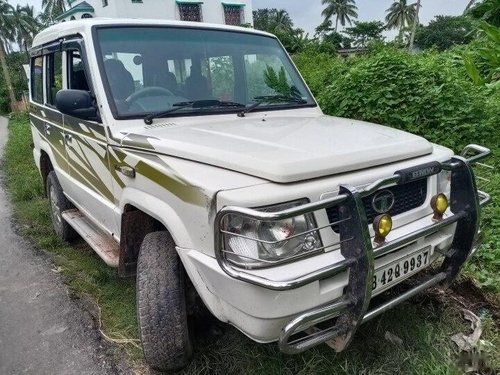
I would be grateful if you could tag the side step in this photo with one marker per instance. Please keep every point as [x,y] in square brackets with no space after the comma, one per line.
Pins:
[105,246]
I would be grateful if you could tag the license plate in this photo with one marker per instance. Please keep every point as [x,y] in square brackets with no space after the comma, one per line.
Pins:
[401,269]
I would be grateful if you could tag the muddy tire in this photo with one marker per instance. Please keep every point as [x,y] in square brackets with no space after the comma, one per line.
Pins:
[58,203]
[161,304]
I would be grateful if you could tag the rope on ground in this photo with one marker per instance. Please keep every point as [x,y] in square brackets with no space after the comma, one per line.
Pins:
[122,341]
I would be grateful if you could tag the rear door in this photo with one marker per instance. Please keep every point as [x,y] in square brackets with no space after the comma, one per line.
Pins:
[47,122]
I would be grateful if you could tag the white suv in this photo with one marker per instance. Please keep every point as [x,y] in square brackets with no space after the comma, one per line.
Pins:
[186,151]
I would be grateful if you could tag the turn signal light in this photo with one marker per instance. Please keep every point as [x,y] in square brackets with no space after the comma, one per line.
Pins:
[439,204]
[382,225]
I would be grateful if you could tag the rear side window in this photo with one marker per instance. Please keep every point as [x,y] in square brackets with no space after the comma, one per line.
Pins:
[37,79]
[54,76]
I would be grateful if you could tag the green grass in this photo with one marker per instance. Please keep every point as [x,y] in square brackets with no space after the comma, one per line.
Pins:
[425,324]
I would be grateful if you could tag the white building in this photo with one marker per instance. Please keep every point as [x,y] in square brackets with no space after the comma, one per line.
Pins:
[230,12]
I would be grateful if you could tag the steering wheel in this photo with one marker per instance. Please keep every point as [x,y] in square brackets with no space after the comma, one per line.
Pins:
[148,91]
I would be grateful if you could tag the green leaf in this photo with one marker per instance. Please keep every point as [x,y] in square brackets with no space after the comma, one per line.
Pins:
[472,70]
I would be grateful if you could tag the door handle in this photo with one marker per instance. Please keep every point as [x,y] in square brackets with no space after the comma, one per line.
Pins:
[47,129]
[125,170]
[68,138]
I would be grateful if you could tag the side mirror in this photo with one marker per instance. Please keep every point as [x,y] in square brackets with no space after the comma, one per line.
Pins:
[77,103]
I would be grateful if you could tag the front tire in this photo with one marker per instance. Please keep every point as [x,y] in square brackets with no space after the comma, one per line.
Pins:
[58,203]
[161,304]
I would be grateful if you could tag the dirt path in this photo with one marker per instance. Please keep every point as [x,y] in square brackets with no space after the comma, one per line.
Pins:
[42,331]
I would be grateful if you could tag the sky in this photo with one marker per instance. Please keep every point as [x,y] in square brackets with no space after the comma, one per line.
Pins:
[306,14]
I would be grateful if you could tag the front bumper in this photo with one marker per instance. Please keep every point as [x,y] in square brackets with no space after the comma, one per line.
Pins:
[351,310]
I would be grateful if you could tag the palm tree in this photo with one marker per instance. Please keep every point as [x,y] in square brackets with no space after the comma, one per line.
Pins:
[281,21]
[399,16]
[53,8]
[7,34]
[344,10]
[27,25]
[415,23]
[299,40]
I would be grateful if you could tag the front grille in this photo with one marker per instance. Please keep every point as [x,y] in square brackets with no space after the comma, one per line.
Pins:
[406,198]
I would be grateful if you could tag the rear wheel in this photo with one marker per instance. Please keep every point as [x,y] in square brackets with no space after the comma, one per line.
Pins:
[161,304]
[58,203]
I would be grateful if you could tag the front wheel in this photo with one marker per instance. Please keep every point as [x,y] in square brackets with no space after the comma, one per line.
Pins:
[161,304]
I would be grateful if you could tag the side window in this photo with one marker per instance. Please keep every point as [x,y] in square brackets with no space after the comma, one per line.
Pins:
[76,72]
[37,79]
[54,76]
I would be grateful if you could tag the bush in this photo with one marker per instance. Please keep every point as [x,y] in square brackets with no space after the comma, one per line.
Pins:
[428,94]
[316,69]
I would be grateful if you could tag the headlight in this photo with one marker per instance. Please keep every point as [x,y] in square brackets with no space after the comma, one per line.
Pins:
[252,243]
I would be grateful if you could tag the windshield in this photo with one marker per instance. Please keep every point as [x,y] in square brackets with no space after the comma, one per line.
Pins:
[149,70]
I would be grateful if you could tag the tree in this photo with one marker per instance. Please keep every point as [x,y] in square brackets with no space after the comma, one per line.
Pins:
[52,9]
[322,30]
[298,41]
[444,32]
[414,25]
[399,16]
[27,25]
[363,32]
[279,23]
[487,10]
[343,10]
[272,20]
[7,34]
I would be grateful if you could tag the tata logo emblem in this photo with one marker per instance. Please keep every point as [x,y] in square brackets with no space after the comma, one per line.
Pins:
[383,201]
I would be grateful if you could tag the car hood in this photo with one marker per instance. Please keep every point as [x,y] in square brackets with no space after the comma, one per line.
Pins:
[276,147]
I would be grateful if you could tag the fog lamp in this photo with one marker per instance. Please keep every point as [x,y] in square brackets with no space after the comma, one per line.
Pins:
[382,225]
[439,204]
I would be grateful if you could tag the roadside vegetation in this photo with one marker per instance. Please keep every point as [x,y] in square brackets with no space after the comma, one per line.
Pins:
[448,93]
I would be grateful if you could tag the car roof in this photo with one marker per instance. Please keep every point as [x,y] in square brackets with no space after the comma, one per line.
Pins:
[84,27]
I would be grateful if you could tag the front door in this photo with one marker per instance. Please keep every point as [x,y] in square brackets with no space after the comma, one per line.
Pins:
[86,149]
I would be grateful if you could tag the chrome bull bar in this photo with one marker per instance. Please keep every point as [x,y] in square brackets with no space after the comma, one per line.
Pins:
[351,310]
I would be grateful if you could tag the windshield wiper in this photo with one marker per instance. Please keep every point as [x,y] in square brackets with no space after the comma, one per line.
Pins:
[280,99]
[271,99]
[192,104]
[248,109]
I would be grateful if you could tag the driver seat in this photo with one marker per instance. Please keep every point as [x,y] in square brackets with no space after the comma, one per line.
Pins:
[120,80]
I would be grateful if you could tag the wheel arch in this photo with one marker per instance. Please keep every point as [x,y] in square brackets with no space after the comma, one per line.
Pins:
[142,215]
